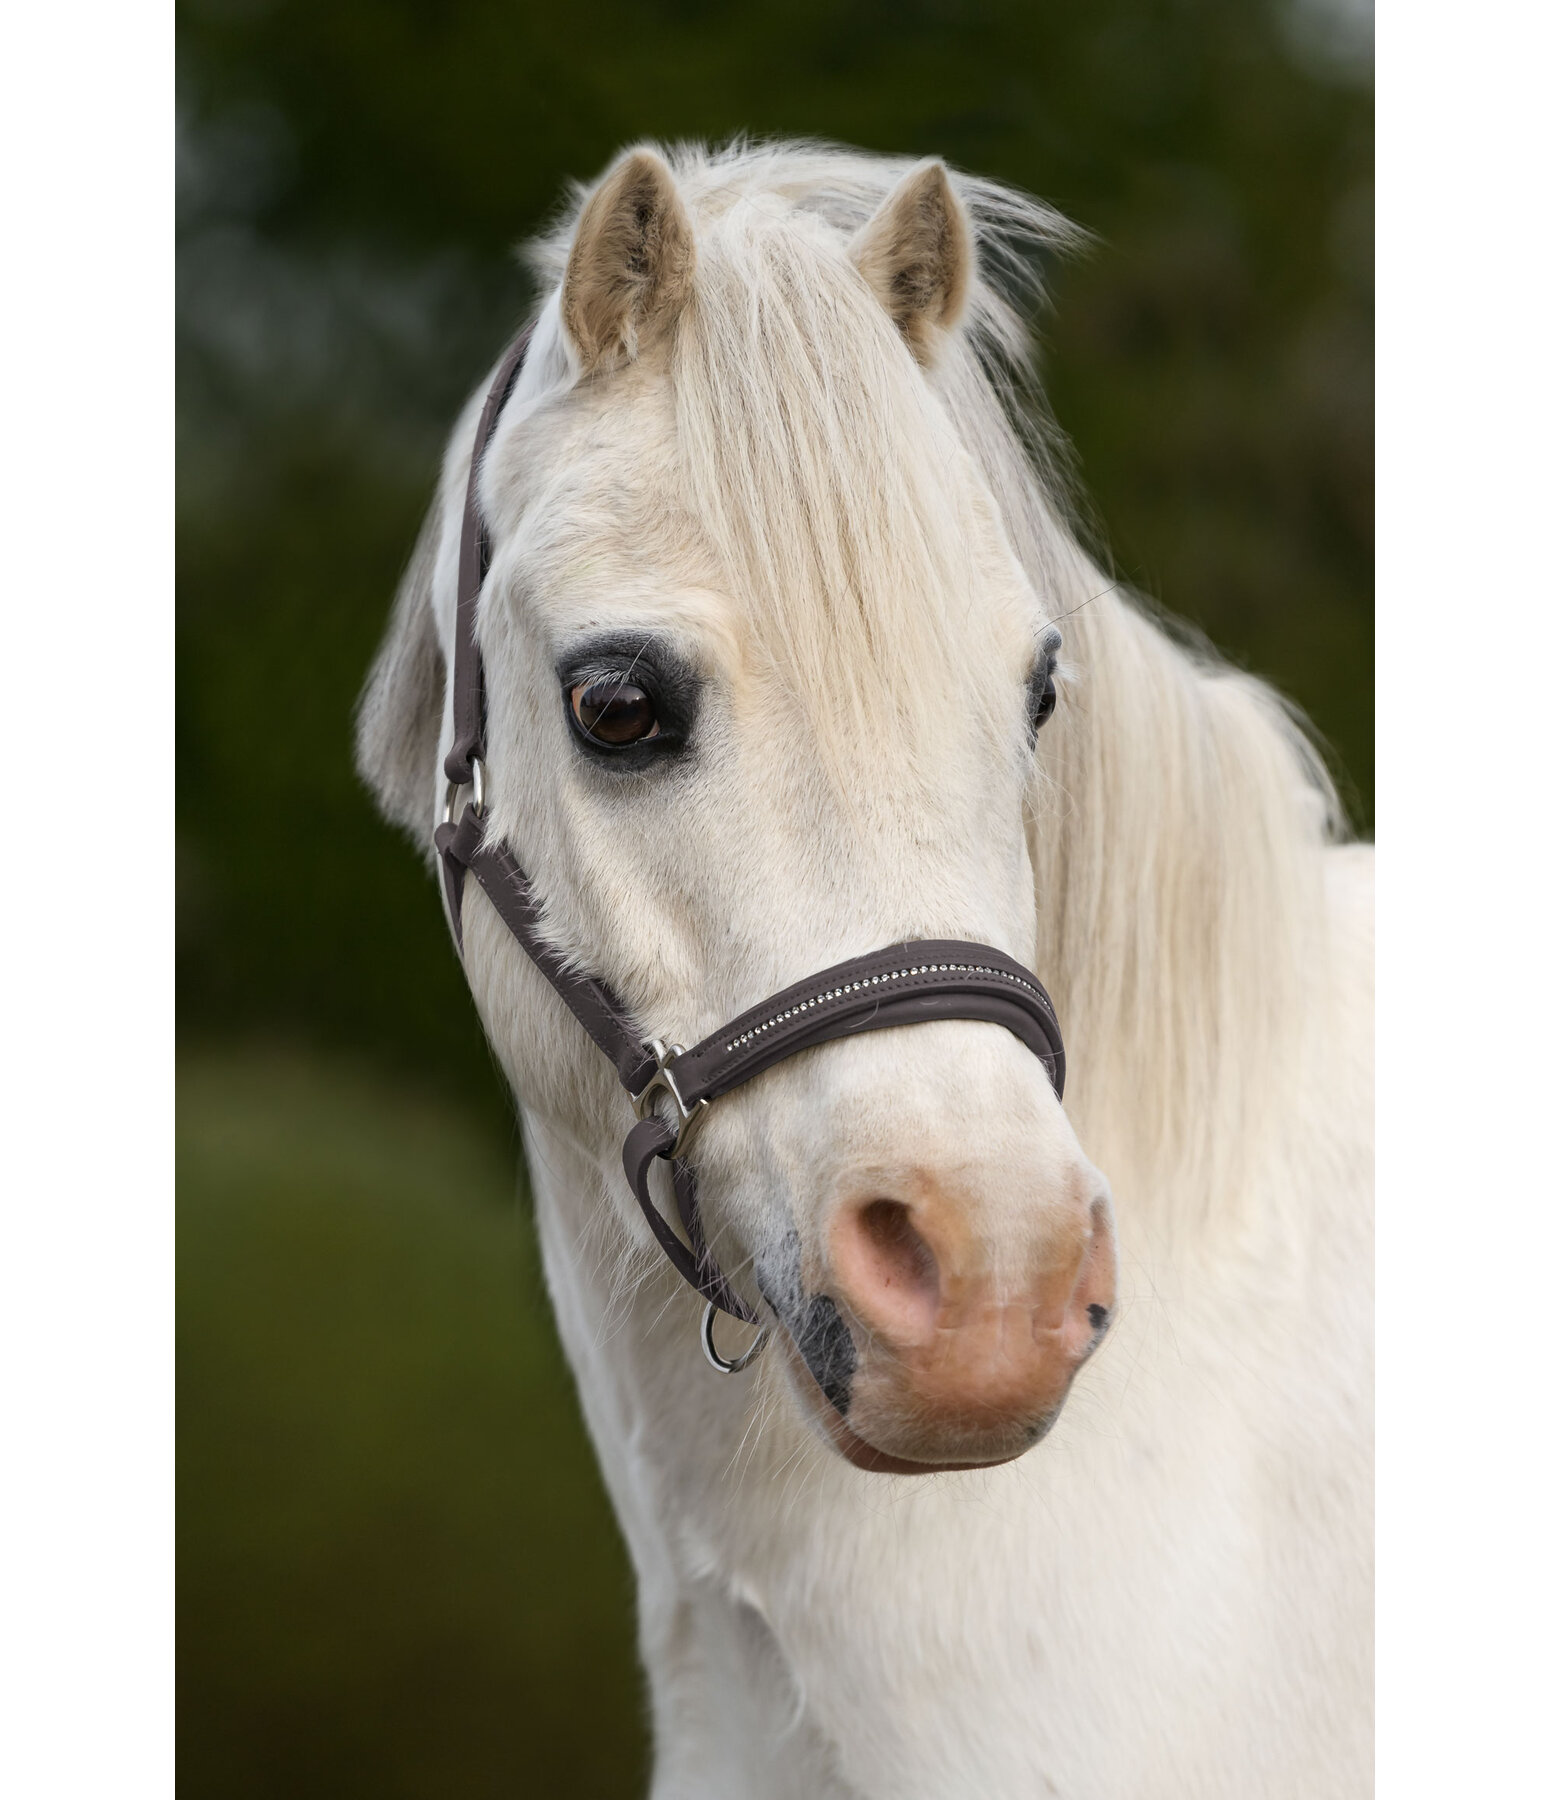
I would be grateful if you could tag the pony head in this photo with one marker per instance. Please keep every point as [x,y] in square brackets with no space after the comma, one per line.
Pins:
[767,676]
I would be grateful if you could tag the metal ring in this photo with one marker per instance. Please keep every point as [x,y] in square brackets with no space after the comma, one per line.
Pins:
[663,1081]
[713,1356]
[476,768]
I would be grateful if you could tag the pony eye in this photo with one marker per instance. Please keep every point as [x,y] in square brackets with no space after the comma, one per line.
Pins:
[1041,698]
[614,712]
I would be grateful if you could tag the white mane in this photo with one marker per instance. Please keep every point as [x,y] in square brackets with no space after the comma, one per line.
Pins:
[1178,810]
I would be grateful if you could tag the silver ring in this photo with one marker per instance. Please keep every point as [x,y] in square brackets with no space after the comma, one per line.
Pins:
[713,1356]
[455,787]
[663,1080]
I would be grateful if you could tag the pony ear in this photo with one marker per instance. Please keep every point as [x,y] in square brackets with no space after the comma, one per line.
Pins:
[398,720]
[917,253]
[631,263]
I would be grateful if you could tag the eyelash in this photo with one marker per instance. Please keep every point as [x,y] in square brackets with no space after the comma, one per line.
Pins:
[1039,712]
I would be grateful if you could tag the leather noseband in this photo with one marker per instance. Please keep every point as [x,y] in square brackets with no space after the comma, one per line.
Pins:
[906,984]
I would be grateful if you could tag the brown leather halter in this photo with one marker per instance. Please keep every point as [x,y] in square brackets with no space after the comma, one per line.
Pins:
[905,984]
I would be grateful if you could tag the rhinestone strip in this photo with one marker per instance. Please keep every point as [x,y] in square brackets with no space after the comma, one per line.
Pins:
[855,987]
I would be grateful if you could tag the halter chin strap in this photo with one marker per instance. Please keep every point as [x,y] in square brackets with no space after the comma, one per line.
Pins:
[671,1087]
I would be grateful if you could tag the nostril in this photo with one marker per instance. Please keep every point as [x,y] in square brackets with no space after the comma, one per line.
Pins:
[886,1268]
[902,1255]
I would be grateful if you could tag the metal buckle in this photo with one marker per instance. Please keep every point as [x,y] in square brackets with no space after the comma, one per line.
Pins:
[454,788]
[689,1117]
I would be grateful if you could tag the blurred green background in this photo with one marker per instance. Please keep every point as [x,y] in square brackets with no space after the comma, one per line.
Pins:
[398,1573]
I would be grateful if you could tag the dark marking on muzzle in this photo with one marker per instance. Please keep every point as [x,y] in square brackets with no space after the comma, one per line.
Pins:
[1099,1317]
[813,1321]
[828,1349]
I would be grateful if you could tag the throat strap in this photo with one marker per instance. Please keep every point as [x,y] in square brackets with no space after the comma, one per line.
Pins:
[463,851]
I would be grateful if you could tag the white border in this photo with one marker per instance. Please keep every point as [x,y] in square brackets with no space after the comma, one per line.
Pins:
[86,733]
[1464,899]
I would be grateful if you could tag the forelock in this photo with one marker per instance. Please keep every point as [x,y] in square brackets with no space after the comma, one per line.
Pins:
[833,490]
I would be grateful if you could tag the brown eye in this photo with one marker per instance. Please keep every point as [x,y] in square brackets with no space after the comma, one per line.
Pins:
[614,712]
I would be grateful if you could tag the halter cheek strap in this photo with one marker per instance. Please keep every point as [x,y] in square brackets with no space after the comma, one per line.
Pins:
[669,1086]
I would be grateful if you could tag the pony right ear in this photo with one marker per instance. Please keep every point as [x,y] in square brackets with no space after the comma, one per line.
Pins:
[917,254]
[398,720]
[631,263]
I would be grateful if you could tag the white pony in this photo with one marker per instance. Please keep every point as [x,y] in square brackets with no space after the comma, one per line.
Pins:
[771,464]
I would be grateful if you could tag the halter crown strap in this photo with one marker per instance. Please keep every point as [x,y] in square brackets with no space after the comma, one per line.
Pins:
[905,984]
[473,561]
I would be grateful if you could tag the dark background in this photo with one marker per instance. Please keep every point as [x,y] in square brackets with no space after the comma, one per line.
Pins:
[398,1575]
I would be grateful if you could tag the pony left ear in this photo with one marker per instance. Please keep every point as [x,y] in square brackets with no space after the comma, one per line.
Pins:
[917,253]
[631,264]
